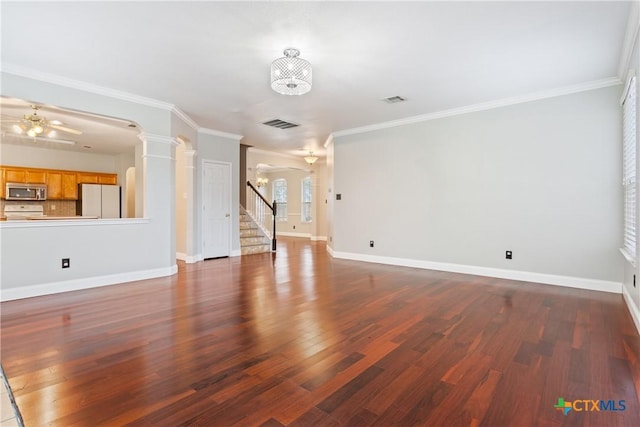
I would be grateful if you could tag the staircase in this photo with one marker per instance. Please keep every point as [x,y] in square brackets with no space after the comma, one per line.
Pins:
[252,239]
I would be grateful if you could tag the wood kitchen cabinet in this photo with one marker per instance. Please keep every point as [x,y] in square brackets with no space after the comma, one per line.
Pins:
[87,178]
[108,179]
[54,185]
[36,176]
[69,186]
[15,175]
[61,184]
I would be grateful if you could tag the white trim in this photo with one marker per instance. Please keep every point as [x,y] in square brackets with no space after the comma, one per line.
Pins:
[84,283]
[598,84]
[329,141]
[220,133]
[633,309]
[627,85]
[525,276]
[84,86]
[274,153]
[183,116]
[150,137]
[236,252]
[72,222]
[627,256]
[157,156]
[630,38]
[287,234]
[193,259]
[331,251]
[30,73]
[181,256]
[202,199]
[319,238]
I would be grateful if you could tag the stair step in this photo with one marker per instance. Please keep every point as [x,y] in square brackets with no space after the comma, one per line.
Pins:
[253,240]
[250,232]
[255,249]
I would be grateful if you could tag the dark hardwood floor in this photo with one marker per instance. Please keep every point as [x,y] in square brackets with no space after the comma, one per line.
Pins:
[301,339]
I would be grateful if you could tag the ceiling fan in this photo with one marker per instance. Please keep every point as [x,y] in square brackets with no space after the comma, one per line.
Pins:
[34,125]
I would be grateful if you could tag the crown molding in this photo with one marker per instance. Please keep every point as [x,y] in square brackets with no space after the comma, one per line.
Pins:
[84,86]
[183,116]
[630,39]
[274,153]
[567,90]
[329,141]
[30,73]
[158,138]
[220,134]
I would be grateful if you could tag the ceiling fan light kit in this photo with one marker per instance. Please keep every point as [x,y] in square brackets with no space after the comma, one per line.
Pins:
[291,75]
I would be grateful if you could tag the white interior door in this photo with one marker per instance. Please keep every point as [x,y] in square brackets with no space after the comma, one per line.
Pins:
[216,209]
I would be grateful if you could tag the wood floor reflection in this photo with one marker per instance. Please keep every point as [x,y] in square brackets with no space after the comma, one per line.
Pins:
[298,338]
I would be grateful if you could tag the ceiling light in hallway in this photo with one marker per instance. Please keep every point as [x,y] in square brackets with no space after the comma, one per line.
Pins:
[291,75]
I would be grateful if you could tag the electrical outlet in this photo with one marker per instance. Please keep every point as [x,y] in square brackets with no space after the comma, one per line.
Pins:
[294,227]
[509,255]
[53,207]
[66,262]
[370,243]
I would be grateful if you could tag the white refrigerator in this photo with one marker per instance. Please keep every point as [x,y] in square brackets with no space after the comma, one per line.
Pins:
[98,200]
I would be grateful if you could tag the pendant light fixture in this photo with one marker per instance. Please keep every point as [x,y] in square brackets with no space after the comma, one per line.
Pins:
[291,75]
[311,159]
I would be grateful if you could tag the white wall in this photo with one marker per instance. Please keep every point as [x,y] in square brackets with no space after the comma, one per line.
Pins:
[104,251]
[181,202]
[541,179]
[330,207]
[221,149]
[293,225]
[632,293]
[37,157]
[318,172]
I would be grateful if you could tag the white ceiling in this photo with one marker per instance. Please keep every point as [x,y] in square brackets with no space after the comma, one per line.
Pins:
[211,59]
[99,134]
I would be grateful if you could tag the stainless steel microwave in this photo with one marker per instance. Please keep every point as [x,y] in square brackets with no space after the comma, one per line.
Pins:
[25,191]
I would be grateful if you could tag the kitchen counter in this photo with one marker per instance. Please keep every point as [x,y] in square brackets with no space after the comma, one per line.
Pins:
[47,217]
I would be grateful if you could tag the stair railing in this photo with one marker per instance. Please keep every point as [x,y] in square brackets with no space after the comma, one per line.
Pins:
[262,213]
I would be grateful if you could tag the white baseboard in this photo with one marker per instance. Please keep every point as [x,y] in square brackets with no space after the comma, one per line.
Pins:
[194,258]
[331,252]
[288,234]
[319,238]
[84,283]
[237,252]
[525,276]
[633,309]
[189,259]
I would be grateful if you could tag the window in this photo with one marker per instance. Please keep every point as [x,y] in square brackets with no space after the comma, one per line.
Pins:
[306,200]
[280,196]
[629,169]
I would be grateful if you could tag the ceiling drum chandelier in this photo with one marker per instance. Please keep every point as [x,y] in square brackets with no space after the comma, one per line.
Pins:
[291,75]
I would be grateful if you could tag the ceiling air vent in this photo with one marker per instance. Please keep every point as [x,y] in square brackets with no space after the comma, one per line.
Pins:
[280,124]
[394,99]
